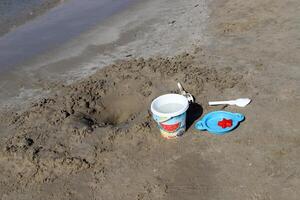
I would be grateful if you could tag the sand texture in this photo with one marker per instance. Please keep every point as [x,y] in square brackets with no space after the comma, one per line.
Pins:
[95,139]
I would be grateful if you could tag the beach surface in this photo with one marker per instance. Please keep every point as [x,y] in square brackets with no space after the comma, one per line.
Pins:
[82,129]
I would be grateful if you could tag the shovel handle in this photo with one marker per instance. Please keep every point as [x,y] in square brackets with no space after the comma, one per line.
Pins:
[187,95]
[214,103]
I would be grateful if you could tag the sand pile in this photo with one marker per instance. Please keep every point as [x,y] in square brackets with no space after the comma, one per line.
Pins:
[83,125]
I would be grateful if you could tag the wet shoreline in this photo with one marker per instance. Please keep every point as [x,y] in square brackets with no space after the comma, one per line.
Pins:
[58,26]
[15,13]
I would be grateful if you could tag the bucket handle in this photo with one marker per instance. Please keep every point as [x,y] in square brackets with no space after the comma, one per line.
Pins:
[163,119]
[184,93]
[159,119]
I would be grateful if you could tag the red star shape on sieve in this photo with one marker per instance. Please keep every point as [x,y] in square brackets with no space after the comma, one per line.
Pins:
[225,123]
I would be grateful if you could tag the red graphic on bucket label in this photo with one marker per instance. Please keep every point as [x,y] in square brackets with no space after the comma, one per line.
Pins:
[170,127]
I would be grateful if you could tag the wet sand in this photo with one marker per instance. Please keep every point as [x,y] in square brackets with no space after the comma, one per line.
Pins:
[93,137]
[15,13]
[58,26]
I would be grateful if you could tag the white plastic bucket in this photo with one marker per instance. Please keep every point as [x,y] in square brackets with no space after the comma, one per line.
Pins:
[169,111]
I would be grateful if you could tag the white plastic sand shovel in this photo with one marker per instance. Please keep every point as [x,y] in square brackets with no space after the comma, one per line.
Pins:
[242,102]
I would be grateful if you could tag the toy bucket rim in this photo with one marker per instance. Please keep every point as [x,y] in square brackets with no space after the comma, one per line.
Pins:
[177,113]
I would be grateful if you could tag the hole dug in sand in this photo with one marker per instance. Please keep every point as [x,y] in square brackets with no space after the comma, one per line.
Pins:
[121,109]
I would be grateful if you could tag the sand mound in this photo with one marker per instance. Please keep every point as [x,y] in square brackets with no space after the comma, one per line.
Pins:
[79,126]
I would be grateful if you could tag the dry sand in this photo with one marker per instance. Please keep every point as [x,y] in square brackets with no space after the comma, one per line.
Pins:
[95,139]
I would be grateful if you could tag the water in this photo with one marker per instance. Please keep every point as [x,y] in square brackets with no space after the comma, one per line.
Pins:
[17,12]
[170,108]
[58,26]
[12,8]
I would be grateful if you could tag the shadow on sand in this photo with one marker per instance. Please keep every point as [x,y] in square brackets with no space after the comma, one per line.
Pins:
[194,112]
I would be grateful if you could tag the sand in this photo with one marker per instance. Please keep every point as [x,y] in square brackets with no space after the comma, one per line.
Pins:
[94,138]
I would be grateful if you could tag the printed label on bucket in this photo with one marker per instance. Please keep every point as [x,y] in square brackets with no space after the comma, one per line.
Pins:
[172,127]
